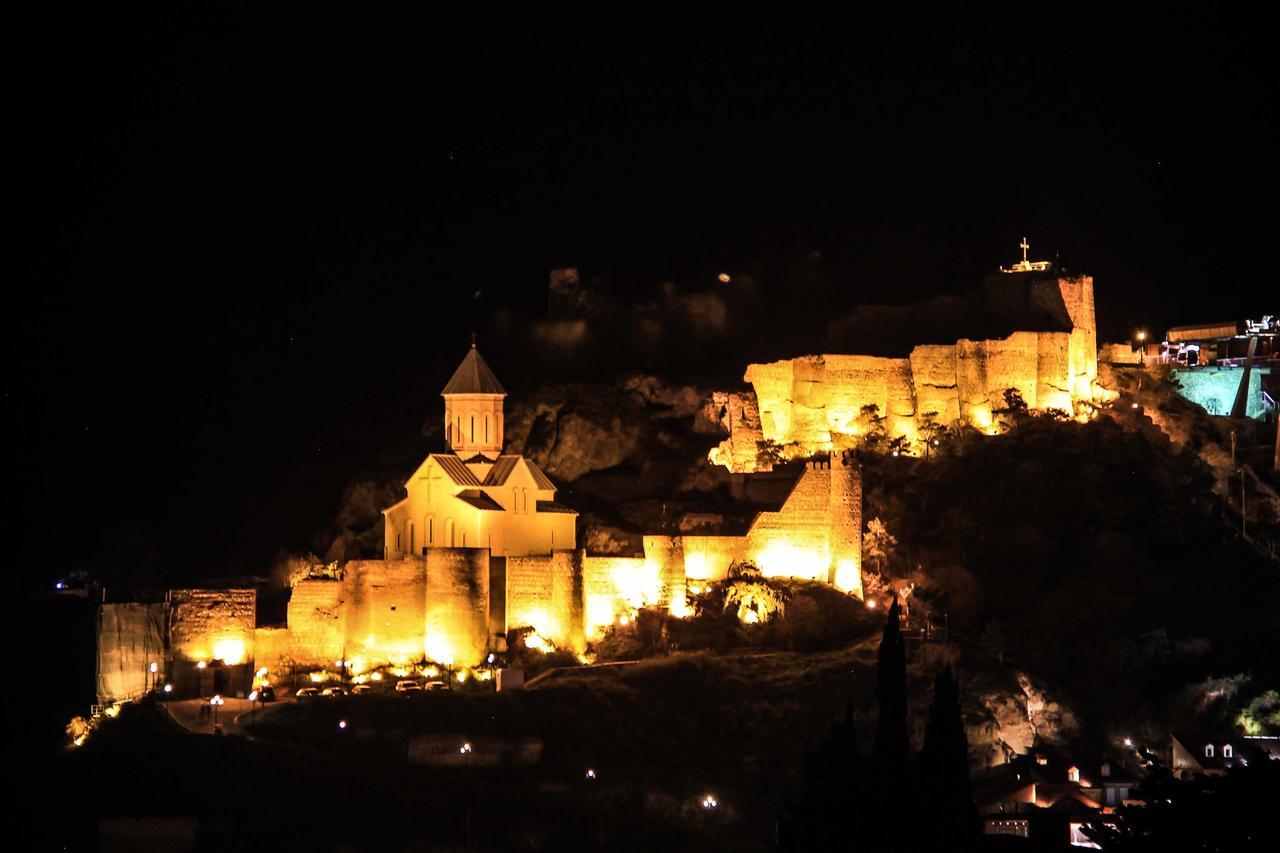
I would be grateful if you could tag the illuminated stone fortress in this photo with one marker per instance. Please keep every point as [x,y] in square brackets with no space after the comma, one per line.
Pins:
[479,547]
[1045,348]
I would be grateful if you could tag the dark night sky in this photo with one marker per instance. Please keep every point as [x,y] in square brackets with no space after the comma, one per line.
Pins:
[246,249]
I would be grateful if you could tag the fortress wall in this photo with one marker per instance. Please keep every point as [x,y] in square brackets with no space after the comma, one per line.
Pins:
[933,372]
[844,519]
[793,542]
[1053,371]
[212,624]
[613,586]
[273,649]
[457,609]
[385,607]
[773,387]
[316,622]
[1012,362]
[542,592]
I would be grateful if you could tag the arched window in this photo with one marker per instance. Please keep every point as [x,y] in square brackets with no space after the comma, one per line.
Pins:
[1208,750]
[397,540]
[448,434]
[412,543]
[486,429]
[431,530]
[464,539]
[1227,752]
[473,429]
[459,430]
[1073,774]
[448,533]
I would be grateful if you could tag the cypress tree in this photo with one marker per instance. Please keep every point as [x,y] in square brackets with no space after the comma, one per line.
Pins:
[944,766]
[891,693]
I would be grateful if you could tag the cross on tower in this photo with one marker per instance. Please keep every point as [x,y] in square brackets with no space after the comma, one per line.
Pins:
[1024,245]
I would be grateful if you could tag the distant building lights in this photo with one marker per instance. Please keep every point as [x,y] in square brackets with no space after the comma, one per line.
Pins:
[591,774]
[465,749]
[155,667]
[724,277]
[709,802]
[168,688]
[59,585]
[1128,742]
[342,724]
[871,604]
[201,664]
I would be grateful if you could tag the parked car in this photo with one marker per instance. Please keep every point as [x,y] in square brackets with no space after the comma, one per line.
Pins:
[408,687]
[333,692]
[307,694]
[361,689]
[435,685]
[266,693]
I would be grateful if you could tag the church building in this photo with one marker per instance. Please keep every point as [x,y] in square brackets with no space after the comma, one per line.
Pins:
[474,495]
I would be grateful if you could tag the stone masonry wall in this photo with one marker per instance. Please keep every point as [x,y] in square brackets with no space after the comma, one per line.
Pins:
[316,625]
[457,609]
[209,624]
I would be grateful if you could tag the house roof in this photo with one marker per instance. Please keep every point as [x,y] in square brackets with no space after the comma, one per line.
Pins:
[479,500]
[552,506]
[456,469]
[1195,742]
[501,470]
[543,481]
[473,376]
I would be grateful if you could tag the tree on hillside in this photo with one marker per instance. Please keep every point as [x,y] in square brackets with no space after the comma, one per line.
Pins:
[877,544]
[891,748]
[944,765]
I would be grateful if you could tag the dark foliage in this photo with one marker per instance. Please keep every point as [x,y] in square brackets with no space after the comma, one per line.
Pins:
[891,745]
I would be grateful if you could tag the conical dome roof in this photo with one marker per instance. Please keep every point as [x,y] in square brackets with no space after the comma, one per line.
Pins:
[473,376]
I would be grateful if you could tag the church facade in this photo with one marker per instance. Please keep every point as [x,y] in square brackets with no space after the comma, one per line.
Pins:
[475,496]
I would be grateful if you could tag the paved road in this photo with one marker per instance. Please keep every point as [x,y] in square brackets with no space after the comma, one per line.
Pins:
[186,712]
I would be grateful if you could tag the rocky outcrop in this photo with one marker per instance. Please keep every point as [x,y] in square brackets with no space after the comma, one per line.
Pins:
[1006,714]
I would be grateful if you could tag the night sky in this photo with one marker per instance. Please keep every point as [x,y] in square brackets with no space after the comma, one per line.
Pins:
[248,248]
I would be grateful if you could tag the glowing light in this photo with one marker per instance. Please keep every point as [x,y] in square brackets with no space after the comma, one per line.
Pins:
[168,688]
[218,700]
[342,724]
[600,611]
[430,671]
[154,667]
[784,560]
[318,677]
[375,676]
[695,566]
[262,673]
[359,679]
[201,665]
[638,585]
[871,604]
[624,619]
[80,740]
[591,774]
[465,748]
[1128,742]
[1133,406]
[112,711]
[489,659]
[709,802]
[229,650]
[357,665]
[253,696]
[724,278]
[438,649]
[848,578]
[461,675]
[679,608]
[1142,335]
[400,672]
[484,675]
[749,616]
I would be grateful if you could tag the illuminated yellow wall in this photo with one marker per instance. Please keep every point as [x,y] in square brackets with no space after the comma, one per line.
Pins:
[273,649]
[209,624]
[811,403]
[545,593]
[316,626]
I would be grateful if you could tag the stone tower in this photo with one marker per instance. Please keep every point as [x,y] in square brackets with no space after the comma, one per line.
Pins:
[844,519]
[473,408]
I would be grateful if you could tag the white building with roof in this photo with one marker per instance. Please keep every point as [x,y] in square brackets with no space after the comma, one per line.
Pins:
[475,496]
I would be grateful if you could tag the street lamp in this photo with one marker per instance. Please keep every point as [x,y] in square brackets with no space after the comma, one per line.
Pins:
[217,702]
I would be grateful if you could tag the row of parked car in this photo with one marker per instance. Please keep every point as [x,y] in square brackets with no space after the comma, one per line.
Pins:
[406,687]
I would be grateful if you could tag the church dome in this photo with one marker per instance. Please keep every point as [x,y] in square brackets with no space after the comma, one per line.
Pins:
[473,376]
